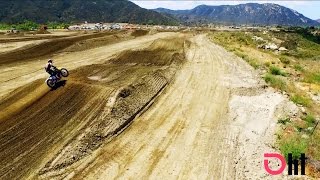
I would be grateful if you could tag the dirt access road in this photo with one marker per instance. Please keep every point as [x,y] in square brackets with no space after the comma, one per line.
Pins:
[213,120]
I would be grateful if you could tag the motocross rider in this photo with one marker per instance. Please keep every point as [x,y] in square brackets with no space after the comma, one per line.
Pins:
[50,68]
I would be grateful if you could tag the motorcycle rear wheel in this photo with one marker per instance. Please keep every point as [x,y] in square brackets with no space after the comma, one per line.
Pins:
[51,83]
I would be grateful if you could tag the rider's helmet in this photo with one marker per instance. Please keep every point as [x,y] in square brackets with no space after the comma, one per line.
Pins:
[50,61]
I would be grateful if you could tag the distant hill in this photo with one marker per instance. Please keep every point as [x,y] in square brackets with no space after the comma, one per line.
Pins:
[251,13]
[318,20]
[14,11]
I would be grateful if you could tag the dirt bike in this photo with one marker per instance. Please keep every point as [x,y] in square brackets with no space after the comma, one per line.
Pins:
[54,79]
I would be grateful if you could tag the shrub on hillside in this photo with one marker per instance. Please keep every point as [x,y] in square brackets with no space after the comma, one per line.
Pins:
[277,71]
[302,100]
[275,82]
[294,145]
[290,44]
[284,60]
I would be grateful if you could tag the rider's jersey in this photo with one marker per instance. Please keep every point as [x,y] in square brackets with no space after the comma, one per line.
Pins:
[48,66]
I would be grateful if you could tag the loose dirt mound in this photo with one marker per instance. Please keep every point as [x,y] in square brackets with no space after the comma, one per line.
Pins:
[138,33]
[43,31]
[161,52]
[97,42]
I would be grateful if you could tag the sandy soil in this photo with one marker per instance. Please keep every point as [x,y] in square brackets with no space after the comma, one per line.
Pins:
[31,36]
[211,118]
[15,45]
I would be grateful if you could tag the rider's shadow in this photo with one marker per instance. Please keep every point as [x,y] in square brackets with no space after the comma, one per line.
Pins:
[59,84]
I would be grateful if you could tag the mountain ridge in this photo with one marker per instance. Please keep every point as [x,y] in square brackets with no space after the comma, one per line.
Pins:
[249,13]
[74,11]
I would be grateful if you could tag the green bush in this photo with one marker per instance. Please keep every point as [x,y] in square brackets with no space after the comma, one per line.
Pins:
[254,63]
[284,60]
[276,71]
[302,100]
[56,25]
[284,121]
[27,26]
[298,67]
[312,78]
[290,44]
[4,26]
[294,145]
[310,119]
[300,43]
[275,82]
[316,77]
[239,54]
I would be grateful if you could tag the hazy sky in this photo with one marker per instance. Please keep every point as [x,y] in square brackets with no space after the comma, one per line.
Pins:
[310,9]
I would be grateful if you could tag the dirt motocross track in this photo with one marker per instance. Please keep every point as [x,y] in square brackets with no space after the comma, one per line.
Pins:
[167,106]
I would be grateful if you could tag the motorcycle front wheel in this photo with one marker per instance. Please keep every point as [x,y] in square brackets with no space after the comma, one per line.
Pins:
[64,72]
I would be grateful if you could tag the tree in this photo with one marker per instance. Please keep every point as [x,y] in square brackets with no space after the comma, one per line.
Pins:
[27,26]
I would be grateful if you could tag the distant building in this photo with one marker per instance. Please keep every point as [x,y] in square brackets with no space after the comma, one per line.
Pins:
[130,26]
[74,27]
[116,26]
[106,26]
